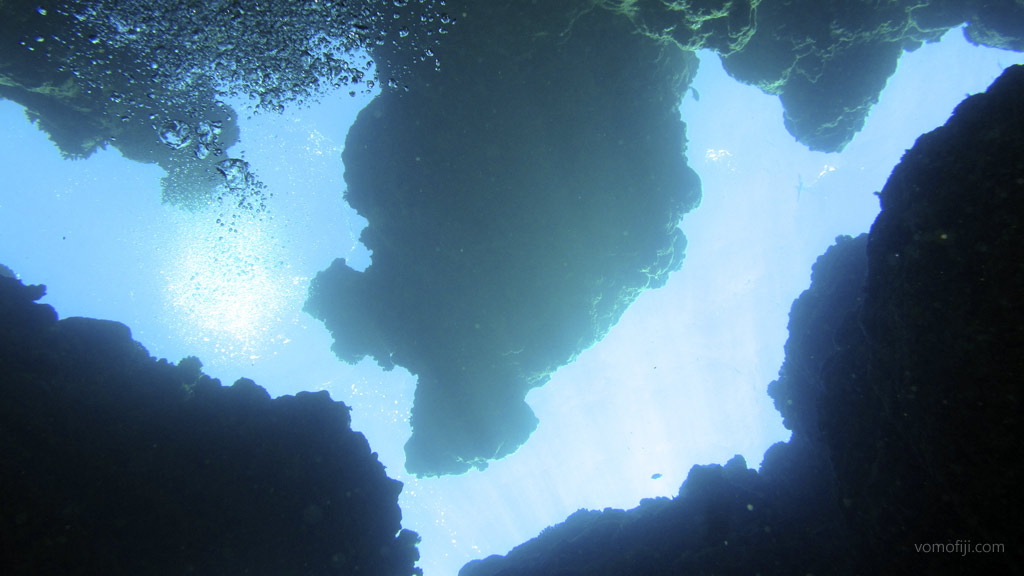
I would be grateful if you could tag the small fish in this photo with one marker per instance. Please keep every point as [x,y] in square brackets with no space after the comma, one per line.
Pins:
[655,476]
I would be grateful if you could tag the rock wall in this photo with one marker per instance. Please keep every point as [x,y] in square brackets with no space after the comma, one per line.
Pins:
[901,385]
[116,463]
[921,410]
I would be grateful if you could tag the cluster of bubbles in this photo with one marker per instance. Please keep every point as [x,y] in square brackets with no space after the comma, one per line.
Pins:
[179,135]
[274,52]
[152,77]
[241,196]
[226,291]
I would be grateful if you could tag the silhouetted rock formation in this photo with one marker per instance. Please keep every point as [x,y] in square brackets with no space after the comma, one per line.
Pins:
[518,202]
[522,196]
[921,407]
[903,397]
[115,463]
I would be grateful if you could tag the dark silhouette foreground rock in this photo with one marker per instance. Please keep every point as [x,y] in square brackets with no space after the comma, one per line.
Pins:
[116,463]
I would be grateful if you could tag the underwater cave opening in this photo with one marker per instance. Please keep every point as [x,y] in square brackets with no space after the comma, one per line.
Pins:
[679,381]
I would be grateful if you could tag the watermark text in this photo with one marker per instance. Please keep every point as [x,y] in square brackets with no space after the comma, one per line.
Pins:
[959,547]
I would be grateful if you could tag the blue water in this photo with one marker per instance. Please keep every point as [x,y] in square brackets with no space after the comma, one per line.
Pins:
[679,381]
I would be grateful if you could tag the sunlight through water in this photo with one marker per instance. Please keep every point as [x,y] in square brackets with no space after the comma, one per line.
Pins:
[229,286]
[680,380]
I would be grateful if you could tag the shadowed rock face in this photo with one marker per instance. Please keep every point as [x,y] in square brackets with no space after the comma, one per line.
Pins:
[115,462]
[923,400]
[901,386]
[518,201]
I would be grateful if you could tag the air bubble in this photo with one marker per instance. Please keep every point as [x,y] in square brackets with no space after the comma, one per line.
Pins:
[237,175]
[207,131]
[175,135]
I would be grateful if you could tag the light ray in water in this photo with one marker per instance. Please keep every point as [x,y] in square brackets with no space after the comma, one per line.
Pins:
[229,283]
